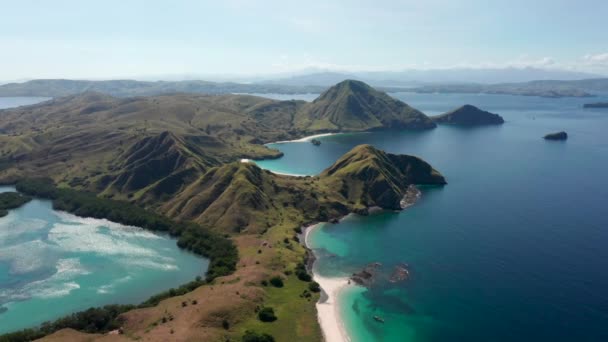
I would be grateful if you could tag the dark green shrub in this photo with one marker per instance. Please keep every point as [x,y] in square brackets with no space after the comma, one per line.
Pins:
[314,286]
[276,281]
[267,315]
[251,336]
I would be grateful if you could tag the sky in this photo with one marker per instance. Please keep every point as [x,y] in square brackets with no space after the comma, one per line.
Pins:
[138,39]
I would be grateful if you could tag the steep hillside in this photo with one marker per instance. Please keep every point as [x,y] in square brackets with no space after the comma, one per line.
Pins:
[355,106]
[94,141]
[261,212]
[145,148]
[369,177]
[468,115]
[241,197]
[154,158]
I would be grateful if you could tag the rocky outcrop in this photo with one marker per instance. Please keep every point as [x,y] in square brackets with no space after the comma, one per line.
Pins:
[556,136]
[596,105]
[374,274]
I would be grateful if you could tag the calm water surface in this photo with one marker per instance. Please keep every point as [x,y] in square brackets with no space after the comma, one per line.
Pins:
[512,249]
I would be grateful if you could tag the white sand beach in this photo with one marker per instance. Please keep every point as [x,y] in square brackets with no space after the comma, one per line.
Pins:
[305,139]
[328,310]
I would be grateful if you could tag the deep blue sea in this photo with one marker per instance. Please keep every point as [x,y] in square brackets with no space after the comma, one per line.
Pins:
[514,248]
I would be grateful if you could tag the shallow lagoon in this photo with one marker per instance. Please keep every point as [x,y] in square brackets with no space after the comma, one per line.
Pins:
[54,263]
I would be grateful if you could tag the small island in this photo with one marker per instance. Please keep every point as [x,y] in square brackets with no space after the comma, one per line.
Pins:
[556,136]
[11,200]
[468,115]
[316,142]
[596,105]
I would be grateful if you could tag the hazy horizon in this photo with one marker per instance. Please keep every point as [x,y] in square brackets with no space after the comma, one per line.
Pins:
[240,38]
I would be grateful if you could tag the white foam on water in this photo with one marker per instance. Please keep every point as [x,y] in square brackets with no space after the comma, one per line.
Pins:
[88,239]
[109,288]
[132,247]
[116,229]
[58,285]
[147,263]
[28,257]
[13,225]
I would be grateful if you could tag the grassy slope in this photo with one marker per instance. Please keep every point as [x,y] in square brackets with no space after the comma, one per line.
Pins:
[272,251]
[355,106]
[148,148]
[185,148]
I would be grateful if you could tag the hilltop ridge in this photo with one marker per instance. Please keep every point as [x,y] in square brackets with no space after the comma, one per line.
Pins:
[353,105]
[144,148]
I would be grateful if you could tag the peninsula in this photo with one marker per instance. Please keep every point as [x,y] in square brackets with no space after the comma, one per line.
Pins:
[178,158]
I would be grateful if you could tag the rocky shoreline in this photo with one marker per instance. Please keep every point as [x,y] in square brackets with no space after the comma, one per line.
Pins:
[331,324]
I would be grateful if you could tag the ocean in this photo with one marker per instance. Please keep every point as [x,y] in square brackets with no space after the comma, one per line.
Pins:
[513,248]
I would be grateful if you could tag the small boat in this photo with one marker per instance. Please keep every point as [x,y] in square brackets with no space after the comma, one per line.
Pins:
[379,319]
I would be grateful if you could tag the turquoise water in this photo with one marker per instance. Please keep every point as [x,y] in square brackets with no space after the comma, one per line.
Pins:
[54,263]
[512,249]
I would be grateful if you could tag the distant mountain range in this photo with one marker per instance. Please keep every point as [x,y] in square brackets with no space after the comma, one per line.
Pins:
[311,83]
[124,88]
[410,78]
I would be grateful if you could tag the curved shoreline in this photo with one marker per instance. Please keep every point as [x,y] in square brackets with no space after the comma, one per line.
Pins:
[328,308]
[244,160]
[305,139]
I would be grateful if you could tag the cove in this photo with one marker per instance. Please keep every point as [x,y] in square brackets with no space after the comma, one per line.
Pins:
[54,263]
[512,249]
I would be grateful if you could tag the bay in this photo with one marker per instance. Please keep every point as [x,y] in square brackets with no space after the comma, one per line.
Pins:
[512,249]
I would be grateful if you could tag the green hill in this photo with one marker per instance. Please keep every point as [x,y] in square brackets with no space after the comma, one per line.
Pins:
[468,115]
[145,148]
[242,197]
[369,177]
[355,106]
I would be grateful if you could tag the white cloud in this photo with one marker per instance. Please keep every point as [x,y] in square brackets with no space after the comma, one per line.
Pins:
[595,63]
[597,59]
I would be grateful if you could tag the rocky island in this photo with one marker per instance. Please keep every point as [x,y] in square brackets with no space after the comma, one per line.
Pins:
[468,115]
[556,136]
[596,105]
